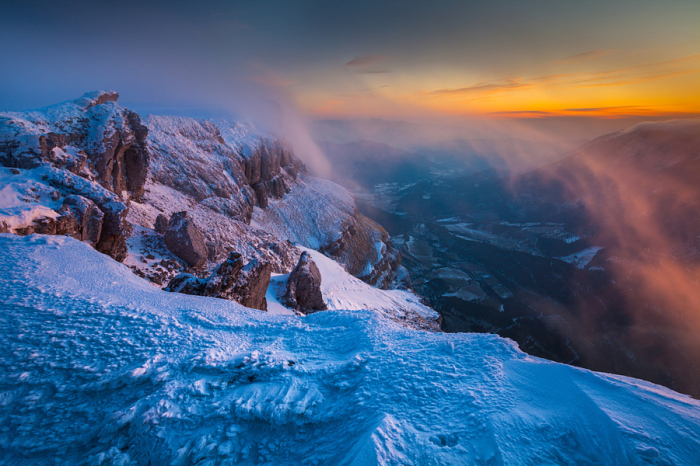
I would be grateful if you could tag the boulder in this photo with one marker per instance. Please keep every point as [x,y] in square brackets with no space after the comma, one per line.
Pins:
[161,224]
[304,287]
[246,284]
[81,219]
[232,280]
[252,284]
[184,239]
[222,281]
[186,283]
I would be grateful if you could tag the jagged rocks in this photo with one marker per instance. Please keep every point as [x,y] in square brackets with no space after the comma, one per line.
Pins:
[89,147]
[81,218]
[251,286]
[186,283]
[40,225]
[115,228]
[93,128]
[213,174]
[304,287]
[184,239]
[232,280]
[260,190]
[161,224]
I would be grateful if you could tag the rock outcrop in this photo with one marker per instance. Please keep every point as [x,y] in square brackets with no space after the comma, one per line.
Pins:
[115,228]
[90,147]
[230,168]
[232,280]
[270,168]
[91,136]
[87,217]
[161,224]
[184,239]
[304,287]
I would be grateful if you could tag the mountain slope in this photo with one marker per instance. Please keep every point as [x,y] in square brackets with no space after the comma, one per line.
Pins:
[102,368]
[593,260]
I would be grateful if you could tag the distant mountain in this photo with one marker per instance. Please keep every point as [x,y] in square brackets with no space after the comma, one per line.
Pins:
[367,163]
[592,260]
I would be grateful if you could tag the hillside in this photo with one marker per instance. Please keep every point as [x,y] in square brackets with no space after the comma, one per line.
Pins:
[100,367]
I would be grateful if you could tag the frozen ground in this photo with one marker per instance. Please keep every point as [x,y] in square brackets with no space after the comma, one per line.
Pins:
[24,198]
[99,367]
[343,292]
[582,258]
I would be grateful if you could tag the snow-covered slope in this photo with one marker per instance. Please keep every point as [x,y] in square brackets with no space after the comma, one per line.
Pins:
[342,291]
[227,168]
[322,215]
[99,367]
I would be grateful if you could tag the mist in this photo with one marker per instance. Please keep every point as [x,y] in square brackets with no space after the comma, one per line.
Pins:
[639,190]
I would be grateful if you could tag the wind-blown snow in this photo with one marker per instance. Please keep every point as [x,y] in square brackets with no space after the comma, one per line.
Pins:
[98,366]
[344,292]
[24,198]
[312,214]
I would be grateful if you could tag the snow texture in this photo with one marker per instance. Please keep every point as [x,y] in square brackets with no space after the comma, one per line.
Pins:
[24,198]
[313,214]
[99,367]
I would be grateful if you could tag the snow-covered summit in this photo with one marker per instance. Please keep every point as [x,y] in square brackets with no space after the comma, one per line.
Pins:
[100,367]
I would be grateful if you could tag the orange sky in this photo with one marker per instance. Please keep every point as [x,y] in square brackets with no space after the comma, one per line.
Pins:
[596,83]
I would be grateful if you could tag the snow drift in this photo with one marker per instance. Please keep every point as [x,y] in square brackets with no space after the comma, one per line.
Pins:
[100,367]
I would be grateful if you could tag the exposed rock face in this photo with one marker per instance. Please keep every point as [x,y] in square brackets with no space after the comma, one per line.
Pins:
[184,239]
[251,286]
[365,249]
[89,147]
[388,271]
[115,228]
[87,216]
[230,168]
[93,129]
[304,287]
[161,224]
[271,168]
[232,280]
[321,215]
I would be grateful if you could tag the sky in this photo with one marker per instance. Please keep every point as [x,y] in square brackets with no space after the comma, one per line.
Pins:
[452,60]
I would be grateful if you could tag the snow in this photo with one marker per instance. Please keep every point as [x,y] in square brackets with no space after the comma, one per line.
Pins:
[343,292]
[240,135]
[582,258]
[24,129]
[313,213]
[24,198]
[100,367]
[275,291]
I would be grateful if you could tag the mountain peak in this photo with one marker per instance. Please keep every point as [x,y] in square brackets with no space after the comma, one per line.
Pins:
[90,99]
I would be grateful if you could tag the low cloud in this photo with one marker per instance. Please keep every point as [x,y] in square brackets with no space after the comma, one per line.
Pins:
[366,60]
[586,56]
[368,64]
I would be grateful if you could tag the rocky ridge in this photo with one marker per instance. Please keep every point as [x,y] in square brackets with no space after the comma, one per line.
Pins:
[179,199]
[89,147]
